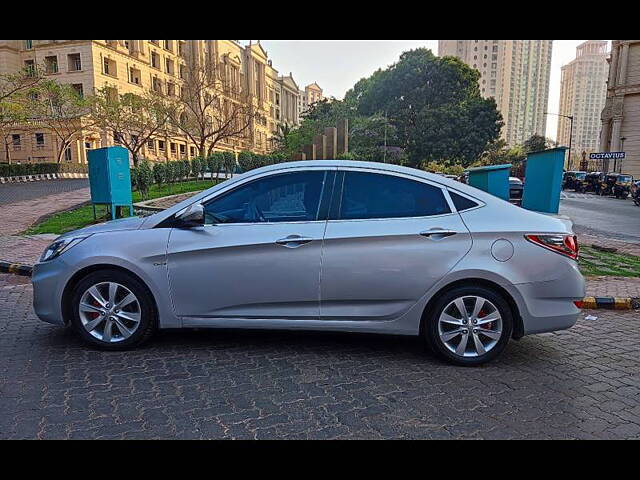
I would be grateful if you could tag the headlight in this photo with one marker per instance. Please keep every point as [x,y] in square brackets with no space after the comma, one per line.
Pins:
[59,246]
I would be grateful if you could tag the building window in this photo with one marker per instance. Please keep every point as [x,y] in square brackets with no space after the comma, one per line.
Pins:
[74,63]
[161,146]
[134,75]
[78,88]
[51,64]
[168,45]
[181,49]
[156,85]
[182,71]
[192,151]
[168,65]
[109,67]
[28,44]
[183,149]
[40,140]
[67,154]
[173,148]
[155,42]
[16,141]
[155,60]
[151,144]
[30,67]
[171,89]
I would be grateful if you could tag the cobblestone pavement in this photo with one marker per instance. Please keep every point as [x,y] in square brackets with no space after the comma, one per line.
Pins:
[18,192]
[579,383]
[22,213]
[613,287]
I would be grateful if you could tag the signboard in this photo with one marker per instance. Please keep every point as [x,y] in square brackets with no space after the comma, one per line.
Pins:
[606,156]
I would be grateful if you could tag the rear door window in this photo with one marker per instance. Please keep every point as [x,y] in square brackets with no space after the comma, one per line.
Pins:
[373,195]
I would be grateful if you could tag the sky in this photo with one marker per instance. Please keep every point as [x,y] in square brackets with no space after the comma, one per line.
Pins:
[336,65]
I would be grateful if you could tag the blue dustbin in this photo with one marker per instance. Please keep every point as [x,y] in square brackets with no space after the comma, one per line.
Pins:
[543,180]
[493,179]
[110,178]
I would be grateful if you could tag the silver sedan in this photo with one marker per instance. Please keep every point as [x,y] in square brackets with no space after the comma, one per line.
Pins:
[321,245]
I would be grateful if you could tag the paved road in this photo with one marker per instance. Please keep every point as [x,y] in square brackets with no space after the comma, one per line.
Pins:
[597,215]
[16,192]
[580,383]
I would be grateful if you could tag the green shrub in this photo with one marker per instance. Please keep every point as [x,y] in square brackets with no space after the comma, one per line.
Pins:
[17,170]
[229,162]
[245,160]
[195,166]
[215,163]
[159,173]
[144,178]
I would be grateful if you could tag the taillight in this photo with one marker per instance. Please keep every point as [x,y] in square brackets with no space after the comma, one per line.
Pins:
[563,244]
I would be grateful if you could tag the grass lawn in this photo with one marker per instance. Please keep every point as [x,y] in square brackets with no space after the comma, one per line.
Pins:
[595,262]
[62,222]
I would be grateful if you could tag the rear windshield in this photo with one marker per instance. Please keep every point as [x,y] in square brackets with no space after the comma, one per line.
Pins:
[624,178]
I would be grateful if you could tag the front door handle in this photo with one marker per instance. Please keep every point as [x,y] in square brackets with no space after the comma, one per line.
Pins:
[437,233]
[293,241]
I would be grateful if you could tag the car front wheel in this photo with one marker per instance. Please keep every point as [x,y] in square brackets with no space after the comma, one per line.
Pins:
[112,310]
[469,325]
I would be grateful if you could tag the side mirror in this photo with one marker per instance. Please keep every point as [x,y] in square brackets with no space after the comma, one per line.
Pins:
[191,216]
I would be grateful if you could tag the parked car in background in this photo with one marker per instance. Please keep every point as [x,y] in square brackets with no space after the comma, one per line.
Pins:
[574,180]
[321,245]
[516,187]
[593,182]
[622,187]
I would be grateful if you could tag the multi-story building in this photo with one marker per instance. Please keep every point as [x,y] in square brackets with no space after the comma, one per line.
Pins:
[311,94]
[516,74]
[290,101]
[620,130]
[583,89]
[136,66]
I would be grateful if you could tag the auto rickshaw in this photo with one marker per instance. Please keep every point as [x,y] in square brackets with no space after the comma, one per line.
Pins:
[574,180]
[607,184]
[622,187]
[593,182]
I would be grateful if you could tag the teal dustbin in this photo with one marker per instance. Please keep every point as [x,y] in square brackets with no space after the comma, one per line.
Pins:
[493,179]
[110,178]
[543,180]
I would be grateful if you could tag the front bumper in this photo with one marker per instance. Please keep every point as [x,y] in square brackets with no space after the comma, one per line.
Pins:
[49,279]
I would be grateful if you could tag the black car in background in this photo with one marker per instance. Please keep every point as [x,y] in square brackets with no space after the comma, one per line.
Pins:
[516,187]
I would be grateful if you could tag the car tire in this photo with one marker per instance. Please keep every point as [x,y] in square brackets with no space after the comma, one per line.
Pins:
[129,326]
[435,327]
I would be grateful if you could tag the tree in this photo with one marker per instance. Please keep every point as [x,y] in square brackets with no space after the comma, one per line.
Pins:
[135,119]
[535,143]
[211,109]
[60,109]
[15,89]
[435,106]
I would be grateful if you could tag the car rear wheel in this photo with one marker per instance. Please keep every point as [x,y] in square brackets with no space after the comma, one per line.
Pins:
[112,310]
[469,325]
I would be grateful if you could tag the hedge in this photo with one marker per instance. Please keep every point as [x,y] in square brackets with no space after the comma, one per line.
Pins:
[17,170]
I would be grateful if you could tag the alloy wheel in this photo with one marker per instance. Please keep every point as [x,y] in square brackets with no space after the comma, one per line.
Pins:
[110,312]
[470,326]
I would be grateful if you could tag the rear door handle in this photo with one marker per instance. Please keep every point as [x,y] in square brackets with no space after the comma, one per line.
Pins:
[437,233]
[293,241]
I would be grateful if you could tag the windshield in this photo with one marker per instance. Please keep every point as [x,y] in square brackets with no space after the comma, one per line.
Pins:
[581,175]
[624,178]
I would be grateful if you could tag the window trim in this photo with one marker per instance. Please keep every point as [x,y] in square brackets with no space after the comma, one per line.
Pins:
[339,190]
[232,188]
[480,203]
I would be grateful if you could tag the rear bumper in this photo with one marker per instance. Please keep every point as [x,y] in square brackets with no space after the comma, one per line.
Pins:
[548,306]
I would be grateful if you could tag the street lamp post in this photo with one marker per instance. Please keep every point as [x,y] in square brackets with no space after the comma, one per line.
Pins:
[622,139]
[570,117]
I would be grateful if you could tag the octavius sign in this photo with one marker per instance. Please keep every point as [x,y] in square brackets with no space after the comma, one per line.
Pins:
[607,156]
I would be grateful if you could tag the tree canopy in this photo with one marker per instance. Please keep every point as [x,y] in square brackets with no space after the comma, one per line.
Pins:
[423,108]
